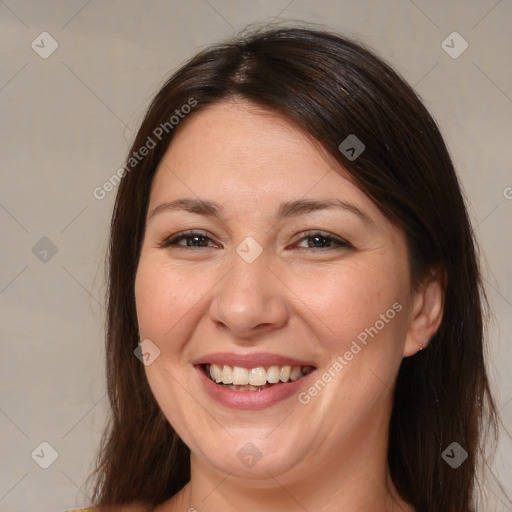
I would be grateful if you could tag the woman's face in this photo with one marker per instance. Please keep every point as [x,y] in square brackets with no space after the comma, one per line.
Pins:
[285,268]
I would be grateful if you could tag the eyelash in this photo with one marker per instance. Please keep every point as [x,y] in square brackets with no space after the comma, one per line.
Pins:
[173,240]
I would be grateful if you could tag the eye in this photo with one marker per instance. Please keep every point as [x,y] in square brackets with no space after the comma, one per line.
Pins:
[192,239]
[200,239]
[322,240]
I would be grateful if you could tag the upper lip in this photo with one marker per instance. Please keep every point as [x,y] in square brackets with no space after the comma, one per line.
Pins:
[260,359]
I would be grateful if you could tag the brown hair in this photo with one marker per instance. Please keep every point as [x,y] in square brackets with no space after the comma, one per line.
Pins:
[330,87]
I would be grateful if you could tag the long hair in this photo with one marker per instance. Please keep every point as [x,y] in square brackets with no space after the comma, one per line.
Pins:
[330,87]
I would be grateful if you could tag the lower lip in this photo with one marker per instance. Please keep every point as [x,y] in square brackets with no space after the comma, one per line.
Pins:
[251,400]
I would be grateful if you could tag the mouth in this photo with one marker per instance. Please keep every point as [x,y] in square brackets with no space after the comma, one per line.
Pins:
[252,381]
[237,378]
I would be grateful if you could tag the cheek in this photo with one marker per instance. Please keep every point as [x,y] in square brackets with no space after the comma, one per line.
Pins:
[362,309]
[165,299]
[162,297]
[352,299]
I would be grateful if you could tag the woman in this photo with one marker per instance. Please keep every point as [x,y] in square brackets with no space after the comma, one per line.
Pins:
[292,261]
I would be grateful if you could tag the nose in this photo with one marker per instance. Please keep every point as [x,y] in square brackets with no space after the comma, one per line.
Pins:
[250,300]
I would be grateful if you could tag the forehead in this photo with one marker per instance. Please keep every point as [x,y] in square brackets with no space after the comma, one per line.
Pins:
[242,140]
[237,149]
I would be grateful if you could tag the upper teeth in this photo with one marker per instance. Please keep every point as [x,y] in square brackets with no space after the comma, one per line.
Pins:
[259,376]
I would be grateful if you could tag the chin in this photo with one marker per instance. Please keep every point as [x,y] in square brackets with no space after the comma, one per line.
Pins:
[258,460]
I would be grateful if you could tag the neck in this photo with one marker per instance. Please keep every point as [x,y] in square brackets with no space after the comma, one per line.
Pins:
[325,493]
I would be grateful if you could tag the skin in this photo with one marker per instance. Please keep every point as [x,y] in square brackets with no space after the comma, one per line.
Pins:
[308,303]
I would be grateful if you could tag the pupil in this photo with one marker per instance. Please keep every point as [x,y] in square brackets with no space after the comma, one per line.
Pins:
[316,238]
[193,238]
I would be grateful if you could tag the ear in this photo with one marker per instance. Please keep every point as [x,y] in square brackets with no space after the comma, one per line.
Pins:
[426,313]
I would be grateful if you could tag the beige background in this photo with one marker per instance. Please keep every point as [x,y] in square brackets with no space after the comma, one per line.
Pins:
[66,124]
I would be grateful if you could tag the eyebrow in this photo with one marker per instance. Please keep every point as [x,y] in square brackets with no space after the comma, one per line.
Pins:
[286,210]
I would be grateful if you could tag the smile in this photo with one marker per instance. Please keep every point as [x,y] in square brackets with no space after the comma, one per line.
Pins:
[238,378]
[252,384]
